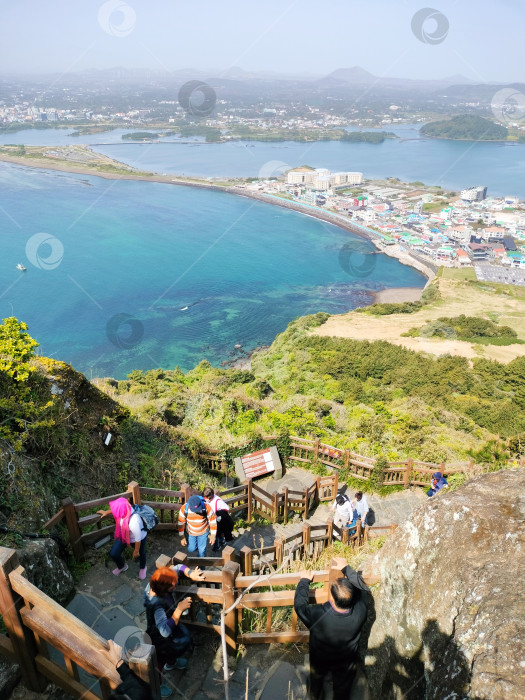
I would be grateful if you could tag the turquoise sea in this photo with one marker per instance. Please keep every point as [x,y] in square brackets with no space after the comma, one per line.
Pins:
[134,275]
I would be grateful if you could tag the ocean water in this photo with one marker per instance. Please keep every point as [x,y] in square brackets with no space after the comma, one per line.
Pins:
[450,164]
[130,275]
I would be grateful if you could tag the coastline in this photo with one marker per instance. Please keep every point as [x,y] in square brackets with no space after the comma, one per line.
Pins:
[395,251]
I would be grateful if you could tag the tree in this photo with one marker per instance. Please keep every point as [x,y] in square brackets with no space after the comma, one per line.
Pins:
[16,349]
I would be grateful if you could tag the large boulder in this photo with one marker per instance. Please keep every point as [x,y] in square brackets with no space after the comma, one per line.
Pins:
[450,610]
[46,570]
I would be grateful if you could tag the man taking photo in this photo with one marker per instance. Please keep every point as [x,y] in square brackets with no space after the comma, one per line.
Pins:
[335,629]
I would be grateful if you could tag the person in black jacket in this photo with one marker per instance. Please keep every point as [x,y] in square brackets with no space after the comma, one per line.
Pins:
[335,630]
[131,686]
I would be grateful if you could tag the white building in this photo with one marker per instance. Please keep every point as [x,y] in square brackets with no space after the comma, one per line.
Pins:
[474,194]
[322,179]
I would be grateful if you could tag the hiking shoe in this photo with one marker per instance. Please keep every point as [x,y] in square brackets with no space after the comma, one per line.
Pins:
[118,571]
[165,691]
[179,665]
[142,573]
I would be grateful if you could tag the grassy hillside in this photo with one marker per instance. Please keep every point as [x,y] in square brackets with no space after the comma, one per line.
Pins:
[372,396]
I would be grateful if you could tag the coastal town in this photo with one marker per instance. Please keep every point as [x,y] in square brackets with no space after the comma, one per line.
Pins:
[465,229]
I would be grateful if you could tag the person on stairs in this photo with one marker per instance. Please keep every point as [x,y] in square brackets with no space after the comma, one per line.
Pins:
[169,636]
[198,518]
[342,510]
[129,531]
[224,519]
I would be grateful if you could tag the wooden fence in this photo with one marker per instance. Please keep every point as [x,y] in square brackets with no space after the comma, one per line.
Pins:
[51,644]
[404,473]
[225,587]
[86,526]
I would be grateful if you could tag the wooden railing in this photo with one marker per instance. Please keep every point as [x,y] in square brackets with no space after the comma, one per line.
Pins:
[228,586]
[37,625]
[307,543]
[86,526]
[404,473]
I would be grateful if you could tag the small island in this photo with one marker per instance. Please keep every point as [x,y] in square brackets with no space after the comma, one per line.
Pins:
[466,127]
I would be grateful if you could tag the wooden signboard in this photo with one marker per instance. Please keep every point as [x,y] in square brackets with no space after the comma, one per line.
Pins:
[260,463]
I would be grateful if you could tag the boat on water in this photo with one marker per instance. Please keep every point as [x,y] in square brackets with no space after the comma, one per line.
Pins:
[21,267]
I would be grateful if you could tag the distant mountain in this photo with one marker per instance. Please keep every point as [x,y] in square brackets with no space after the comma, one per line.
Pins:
[359,76]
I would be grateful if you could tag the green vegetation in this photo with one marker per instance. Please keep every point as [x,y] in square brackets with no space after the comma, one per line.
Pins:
[211,134]
[140,136]
[367,136]
[466,127]
[471,329]
[462,273]
[374,398]
[430,294]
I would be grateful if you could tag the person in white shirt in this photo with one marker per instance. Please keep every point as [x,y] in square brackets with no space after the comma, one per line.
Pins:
[343,510]
[224,519]
[129,531]
[361,507]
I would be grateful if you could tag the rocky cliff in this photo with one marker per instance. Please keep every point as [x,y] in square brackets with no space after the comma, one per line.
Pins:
[450,611]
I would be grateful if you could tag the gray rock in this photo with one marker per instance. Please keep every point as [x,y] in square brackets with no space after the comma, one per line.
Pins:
[9,677]
[450,611]
[45,569]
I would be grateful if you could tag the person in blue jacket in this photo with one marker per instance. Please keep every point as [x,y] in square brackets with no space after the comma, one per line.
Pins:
[438,482]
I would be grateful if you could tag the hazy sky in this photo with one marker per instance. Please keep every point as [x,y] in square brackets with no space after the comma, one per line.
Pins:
[484,39]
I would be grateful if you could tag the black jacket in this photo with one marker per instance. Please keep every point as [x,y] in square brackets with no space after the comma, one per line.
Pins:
[334,636]
[132,686]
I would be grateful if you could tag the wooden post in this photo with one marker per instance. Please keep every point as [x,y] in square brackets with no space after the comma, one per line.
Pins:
[336,484]
[358,532]
[407,474]
[134,489]
[73,528]
[21,638]
[229,574]
[344,534]
[144,664]
[249,500]
[275,507]
[186,491]
[306,539]
[316,450]
[180,558]
[279,546]
[163,560]
[228,554]
[317,490]
[347,459]
[305,498]
[285,504]
[334,574]
[330,530]
[246,560]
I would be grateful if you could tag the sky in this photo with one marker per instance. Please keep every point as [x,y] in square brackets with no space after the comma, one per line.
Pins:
[480,39]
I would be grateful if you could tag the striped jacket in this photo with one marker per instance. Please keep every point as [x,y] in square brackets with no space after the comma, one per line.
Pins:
[197,524]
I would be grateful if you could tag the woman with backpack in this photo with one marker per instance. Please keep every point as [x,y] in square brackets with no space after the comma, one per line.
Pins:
[129,531]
